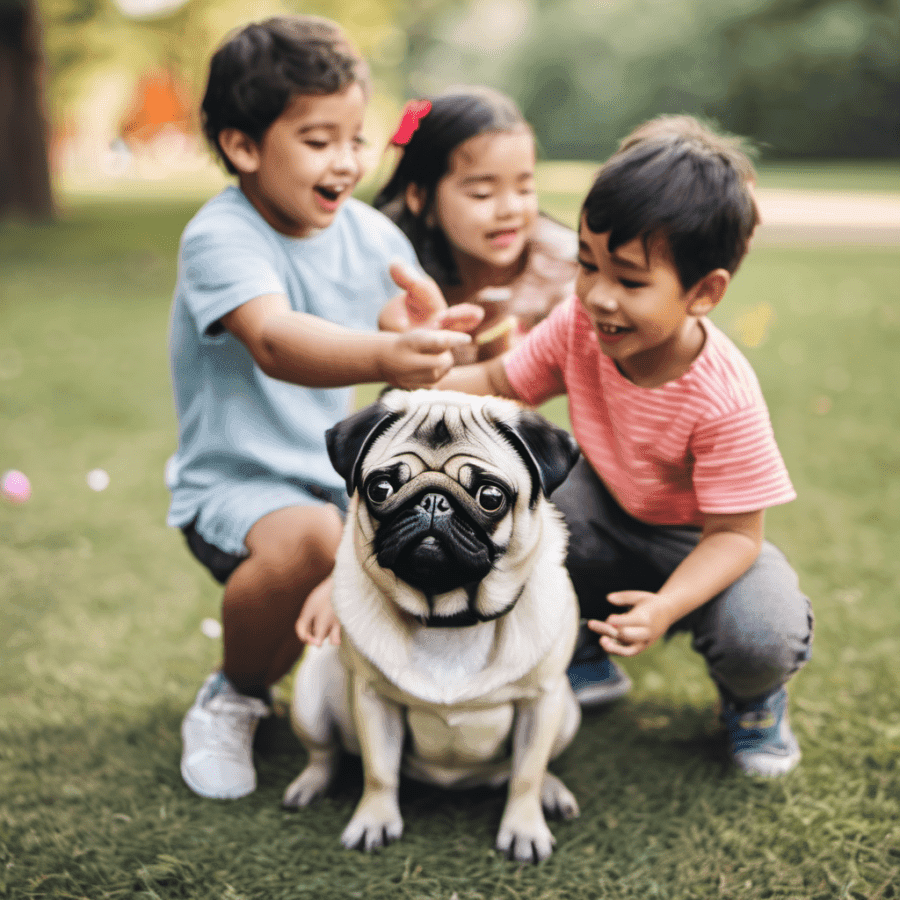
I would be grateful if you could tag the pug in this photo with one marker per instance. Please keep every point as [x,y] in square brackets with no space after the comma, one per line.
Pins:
[458,618]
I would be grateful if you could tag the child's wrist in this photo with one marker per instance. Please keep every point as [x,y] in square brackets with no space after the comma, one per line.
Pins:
[669,609]
[381,347]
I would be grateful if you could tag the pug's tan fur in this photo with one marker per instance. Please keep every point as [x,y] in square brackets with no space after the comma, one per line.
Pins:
[446,704]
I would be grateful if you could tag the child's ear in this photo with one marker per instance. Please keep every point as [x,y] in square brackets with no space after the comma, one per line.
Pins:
[708,291]
[241,150]
[415,197]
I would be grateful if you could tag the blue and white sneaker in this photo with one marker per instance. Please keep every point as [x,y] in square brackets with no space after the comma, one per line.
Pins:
[594,677]
[217,740]
[760,739]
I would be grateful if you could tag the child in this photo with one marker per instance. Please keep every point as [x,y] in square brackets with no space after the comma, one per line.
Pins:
[665,508]
[281,281]
[463,192]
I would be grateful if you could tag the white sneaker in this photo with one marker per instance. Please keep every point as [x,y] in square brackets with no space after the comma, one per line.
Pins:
[217,740]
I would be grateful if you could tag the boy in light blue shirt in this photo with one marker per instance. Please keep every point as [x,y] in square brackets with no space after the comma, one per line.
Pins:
[247,438]
[281,283]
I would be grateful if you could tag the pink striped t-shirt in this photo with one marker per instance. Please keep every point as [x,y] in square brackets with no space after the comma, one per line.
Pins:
[701,444]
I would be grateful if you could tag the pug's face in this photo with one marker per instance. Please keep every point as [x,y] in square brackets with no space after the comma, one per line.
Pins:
[451,489]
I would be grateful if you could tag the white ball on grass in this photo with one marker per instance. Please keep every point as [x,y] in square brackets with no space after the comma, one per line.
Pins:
[98,479]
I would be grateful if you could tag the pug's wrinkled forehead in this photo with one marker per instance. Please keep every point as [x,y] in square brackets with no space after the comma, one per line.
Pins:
[444,433]
[433,426]
[489,409]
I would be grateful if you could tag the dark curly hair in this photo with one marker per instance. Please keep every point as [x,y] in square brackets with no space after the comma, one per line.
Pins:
[677,178]
[260,68]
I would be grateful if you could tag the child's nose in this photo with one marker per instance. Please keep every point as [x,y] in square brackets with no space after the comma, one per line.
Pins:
[602,299]
[347,159]
[509,204]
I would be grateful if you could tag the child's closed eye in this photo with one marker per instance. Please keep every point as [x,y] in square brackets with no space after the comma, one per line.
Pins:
[588,267]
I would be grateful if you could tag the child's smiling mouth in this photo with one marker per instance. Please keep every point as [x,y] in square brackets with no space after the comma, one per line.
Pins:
[329,195]
[504,237]
[611,334]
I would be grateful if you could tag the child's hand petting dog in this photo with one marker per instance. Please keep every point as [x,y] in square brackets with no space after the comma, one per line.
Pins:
[317,622]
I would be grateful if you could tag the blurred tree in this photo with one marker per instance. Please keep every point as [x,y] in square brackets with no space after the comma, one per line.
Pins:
[24,168]
[102,49]
[816,78]
[127,36]
[802,77]
[805,77]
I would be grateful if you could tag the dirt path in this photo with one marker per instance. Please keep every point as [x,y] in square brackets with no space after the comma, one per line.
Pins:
[803,217]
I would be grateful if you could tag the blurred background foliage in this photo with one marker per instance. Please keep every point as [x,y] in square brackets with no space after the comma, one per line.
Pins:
[806,78]
[800,78]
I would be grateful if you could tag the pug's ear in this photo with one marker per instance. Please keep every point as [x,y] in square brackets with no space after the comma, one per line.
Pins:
[548,451]
[349,440]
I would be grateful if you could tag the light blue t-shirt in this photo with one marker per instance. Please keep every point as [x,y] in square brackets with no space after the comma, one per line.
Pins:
[244,438]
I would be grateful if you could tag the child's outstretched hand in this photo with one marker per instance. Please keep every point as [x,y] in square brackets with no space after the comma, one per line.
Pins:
[631,632]
[422,305]
[427,331]
[317,622]
[418,358]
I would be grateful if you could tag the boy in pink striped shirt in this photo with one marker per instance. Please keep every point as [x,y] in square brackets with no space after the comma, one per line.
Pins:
[665,508]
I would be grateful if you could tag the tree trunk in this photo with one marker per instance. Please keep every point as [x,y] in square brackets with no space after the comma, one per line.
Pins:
[25,185]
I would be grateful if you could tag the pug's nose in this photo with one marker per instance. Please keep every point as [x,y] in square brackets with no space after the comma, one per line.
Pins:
[436,505]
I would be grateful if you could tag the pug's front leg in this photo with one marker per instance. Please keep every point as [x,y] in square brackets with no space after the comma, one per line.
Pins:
[379,727]
[524,835]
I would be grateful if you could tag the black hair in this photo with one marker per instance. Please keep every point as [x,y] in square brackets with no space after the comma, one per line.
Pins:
[455,116]
[260,68]
[678,179]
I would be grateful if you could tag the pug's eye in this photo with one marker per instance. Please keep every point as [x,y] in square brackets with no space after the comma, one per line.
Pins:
[379,490]
[490,498]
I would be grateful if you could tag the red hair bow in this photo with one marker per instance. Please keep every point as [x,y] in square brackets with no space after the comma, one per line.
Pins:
[412,112]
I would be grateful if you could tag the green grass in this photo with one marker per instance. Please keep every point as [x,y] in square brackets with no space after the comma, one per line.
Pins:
[101,648]
[874,176]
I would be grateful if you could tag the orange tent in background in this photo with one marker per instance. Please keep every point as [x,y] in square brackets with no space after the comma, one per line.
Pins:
[160,103]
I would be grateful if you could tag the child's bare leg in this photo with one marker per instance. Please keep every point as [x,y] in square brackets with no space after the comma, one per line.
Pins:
[290,552]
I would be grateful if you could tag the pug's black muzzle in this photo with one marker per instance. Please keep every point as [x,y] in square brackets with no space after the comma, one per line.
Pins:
[432,545]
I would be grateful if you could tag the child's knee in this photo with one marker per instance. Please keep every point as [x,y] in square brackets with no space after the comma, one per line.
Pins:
[753,658]
[758,633]
[754,670]
[323,534]
[298,539]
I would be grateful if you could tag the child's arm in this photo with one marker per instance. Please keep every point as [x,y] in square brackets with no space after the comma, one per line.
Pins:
[305,349]
[728,547]
[482,378]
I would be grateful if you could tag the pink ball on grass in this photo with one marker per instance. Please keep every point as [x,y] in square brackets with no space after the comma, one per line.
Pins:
[15,486]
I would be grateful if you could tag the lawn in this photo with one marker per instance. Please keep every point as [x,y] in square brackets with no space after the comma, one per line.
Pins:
[102,649]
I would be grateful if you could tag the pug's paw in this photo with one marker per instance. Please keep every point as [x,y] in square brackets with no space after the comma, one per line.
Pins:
[376,823]
[557,800]
[525,838]
[311,783]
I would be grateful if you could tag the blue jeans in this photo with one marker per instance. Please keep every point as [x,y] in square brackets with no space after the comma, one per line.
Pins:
[753,636]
